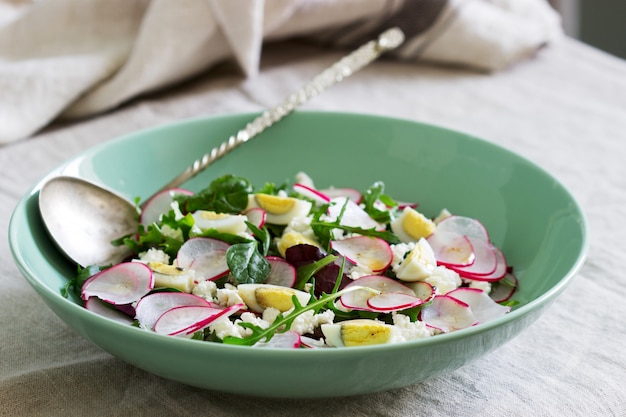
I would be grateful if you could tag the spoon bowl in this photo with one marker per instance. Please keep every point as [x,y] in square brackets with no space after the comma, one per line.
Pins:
[84,218]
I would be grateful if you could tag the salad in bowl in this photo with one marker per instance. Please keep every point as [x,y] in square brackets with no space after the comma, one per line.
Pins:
[295,266]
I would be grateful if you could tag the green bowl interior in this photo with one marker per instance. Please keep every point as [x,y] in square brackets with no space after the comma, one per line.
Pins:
[535,221]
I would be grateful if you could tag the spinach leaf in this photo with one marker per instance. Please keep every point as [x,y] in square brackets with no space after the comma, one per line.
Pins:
[246,264]
[226,194]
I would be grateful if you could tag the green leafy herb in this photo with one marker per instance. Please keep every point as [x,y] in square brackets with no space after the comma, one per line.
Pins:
[376,193]
[247,265]
[306,272]
[226,194]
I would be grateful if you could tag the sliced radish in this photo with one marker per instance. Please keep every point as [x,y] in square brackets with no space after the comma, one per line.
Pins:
[452,249]
[483,307]
[152,306]
[311,193]
[281,273]
[159,204]
[204,255]
[372,253]
[373,285]
[404,204]
[503,289]
[460,225]
[186,320]
[447,314]
[123,283]
[422,289]
[351,193]
[287,340]
[393,301]
[485,262]
[256,216]
[353,215]
[498,272]
[104,309]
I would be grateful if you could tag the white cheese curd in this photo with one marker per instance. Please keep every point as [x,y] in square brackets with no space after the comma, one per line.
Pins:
[357,271]
[308,321]
[409,330]
[154,255]
[399,252]
[228,296]
[173,233]
[178,214]
[444,280]
[481,285]
[418,264]
[207,290]
[223,327]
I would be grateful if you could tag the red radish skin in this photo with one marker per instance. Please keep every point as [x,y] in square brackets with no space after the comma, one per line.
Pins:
[123,283]
[485,262]
[447,314]
[256,216]
[483,307]
[370,252]
[206,256]
[152,306]
[372,285]
[351,193]
[391,301]
[160,204]
[186,320]
[282,272]
[501,291]
[287,340]
[451,249]
[104,309]
[311,193]
[497,274]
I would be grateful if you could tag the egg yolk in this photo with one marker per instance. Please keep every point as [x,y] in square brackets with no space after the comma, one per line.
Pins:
[275,204]
[416,225]
[280,299]
[361,333]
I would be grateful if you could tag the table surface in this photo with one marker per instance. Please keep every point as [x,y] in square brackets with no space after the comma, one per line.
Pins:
[564,109]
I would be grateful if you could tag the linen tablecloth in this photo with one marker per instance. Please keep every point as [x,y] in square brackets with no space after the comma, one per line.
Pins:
[564,109]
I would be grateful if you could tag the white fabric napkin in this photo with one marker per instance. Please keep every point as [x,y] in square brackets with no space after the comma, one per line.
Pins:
[76,58]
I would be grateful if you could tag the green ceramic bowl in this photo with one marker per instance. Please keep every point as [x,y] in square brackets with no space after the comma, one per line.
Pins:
[528,213]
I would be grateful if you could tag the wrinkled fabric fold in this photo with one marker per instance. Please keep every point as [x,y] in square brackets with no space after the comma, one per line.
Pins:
[72,59]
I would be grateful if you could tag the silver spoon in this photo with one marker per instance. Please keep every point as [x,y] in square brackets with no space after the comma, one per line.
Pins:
[83,218]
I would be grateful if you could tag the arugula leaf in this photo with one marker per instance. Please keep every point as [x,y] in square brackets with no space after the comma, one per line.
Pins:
[246,264]
[325,228]
[226,194]
[372,194]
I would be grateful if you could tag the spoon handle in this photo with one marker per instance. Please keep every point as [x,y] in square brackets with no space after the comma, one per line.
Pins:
[341,69]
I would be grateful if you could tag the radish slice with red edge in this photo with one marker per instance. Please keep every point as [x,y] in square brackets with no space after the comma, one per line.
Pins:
[281,273]
[452,249]
[123,283]
[372,253]
[447,314]
[353,215]
[287,340]
[351,193]
[206,256]
[422,289]
[393,301]
[461,225]
[256,216]
[496,275]
[403,204]
[152,306]
[311,193]
[101,308]
[375,284]
[485,262]
[503,289]
[483,307]
[186,320]
[159,204]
